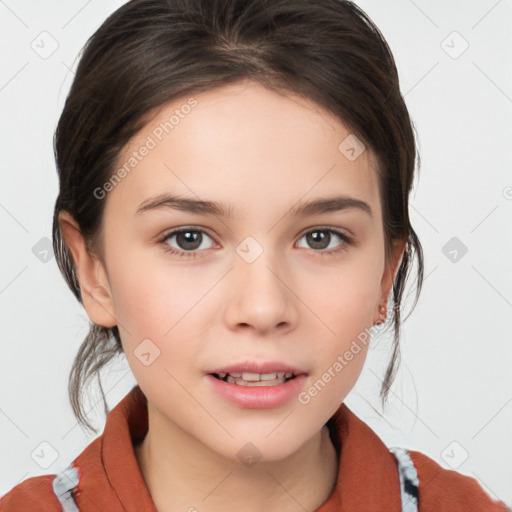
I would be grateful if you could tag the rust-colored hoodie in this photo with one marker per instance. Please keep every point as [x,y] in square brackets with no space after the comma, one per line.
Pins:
[106,475]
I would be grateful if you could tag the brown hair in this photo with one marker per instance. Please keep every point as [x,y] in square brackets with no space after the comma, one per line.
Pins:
[150,52]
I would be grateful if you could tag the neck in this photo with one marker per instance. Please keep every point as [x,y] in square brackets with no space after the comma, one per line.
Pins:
[182,473]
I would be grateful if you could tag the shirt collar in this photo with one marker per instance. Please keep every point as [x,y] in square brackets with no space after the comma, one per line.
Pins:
[112,480]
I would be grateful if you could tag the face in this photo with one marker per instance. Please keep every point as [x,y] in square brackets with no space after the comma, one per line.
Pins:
[260,279]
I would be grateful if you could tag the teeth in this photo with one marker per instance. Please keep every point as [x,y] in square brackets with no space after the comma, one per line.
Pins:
[255,379]
[268,376]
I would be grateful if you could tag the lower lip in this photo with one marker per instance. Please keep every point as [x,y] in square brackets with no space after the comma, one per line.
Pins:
[258,397]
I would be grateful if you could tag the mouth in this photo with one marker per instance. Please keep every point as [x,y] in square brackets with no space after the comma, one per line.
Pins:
[254,379]
[257,384]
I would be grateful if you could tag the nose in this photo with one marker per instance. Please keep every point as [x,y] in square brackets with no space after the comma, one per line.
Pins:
[261,295]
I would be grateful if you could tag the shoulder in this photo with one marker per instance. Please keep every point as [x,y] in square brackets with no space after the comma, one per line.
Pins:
[443,490]
[33,494]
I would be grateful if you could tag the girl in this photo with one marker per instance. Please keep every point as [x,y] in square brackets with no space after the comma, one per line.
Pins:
[233,215]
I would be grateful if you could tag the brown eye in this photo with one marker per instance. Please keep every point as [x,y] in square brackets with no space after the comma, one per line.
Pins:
[186,241]
[318,239]
[189,240]
[321,239]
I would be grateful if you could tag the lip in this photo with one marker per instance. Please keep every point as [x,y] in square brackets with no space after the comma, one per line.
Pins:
[259,367]
[258,397]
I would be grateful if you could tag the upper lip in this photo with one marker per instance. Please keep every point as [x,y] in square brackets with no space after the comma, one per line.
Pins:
[259,367]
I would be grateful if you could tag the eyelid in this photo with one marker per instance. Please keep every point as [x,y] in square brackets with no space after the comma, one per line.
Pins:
[335,229]
[347,239]
[167,233]
[173,231]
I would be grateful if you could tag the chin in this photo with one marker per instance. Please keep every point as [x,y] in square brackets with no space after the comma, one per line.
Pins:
[261,448]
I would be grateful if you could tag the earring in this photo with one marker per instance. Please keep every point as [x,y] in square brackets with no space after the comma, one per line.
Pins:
[383,314]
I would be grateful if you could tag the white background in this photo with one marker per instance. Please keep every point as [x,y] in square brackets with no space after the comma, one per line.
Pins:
[453,396]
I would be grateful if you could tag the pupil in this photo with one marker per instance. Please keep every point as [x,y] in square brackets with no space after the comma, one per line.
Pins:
[316,239]
[189,237]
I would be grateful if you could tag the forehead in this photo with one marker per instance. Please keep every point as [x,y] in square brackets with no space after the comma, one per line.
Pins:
[244,143]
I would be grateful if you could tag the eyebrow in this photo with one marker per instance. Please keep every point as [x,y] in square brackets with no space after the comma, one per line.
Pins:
[315,207]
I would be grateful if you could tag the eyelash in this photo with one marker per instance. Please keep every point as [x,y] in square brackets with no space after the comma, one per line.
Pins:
[192,254]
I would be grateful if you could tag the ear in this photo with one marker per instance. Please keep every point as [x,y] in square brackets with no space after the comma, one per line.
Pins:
[390,270]
[93,278]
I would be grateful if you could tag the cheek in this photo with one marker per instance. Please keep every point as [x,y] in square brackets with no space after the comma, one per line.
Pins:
[165,303]
[156,315]
[345,299]
[144,301]
[343,307]
[151,295]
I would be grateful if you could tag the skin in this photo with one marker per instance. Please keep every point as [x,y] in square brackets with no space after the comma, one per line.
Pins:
[262,153]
